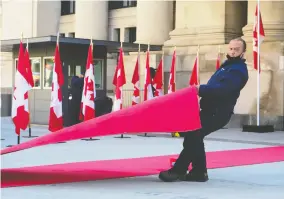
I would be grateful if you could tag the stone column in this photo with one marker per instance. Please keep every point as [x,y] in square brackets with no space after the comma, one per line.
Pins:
[32,18]
[91,19]
[272,17]
[212,22]
[154,21]
[271,60]
[207,24]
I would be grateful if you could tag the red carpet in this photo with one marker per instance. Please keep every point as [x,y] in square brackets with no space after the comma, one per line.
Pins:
[156,115]
[109,169]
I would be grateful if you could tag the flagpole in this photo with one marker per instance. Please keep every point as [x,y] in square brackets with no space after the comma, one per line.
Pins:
[198,79]
[145,134]
[30,129]
[122,85]
[175,70]
[163,88]
[258,62]
[146,74]
[19,139]
[122,135]
[175,134]
[92,46]
[139,72]
[57,40]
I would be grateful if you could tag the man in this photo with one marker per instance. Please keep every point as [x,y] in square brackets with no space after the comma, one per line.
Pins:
[77,84]
[152,74]
[218,98]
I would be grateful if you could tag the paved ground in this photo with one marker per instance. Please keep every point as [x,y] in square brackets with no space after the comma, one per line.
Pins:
[250,182]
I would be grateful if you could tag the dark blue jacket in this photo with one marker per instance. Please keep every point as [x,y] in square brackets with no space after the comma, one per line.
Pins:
[223,89]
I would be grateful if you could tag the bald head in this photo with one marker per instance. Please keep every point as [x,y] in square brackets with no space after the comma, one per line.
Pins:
[237,47]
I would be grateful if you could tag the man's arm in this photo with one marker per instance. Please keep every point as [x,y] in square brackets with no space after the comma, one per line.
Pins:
[233,81]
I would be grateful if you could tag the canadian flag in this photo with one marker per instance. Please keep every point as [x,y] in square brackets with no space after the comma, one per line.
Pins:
[257,27]
[172,81]
[158,80]
[55,113]
[194,75]
[89,92]
[119,80]
[148,92]
[135,82]
[23,83]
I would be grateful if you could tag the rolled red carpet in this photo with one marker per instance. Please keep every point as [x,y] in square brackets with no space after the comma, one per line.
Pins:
[121,168]
[177,111]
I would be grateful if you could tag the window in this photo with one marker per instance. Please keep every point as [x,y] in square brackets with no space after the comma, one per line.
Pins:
[130,34]
[129,3]
[62,34]
[71,34]
[67,7]
[36,70]
[76,70]
[98,70]
[116,34]
[122,4]
[48,63]
[73,70]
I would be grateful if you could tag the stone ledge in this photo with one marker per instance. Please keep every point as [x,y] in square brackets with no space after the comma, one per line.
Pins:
[273,32]
[238,120]
[6,90]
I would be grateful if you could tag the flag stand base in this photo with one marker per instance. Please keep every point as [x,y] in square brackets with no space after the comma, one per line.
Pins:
[146,135]
[30,134]
[18,141]
[90,139]
[122,136]
[258,128]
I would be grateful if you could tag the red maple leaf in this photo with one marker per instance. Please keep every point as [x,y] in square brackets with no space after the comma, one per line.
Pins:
[86,87]
[90,87]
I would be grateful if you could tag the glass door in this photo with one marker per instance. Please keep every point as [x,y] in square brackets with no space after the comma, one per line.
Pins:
[74,70]
[78,69]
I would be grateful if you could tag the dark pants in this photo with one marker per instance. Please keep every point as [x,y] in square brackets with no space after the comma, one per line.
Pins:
[193,145]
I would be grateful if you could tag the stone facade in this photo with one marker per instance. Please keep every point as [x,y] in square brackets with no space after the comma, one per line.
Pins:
[197,24]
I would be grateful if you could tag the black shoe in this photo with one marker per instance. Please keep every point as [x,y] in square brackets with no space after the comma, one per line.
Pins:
[196,176]
[171,176]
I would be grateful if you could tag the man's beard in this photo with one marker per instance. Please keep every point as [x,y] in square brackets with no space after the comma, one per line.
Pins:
[234,58]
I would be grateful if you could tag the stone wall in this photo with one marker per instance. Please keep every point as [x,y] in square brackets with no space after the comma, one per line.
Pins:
[271,79]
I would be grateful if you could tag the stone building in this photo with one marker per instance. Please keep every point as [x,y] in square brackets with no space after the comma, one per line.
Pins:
[180,24]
